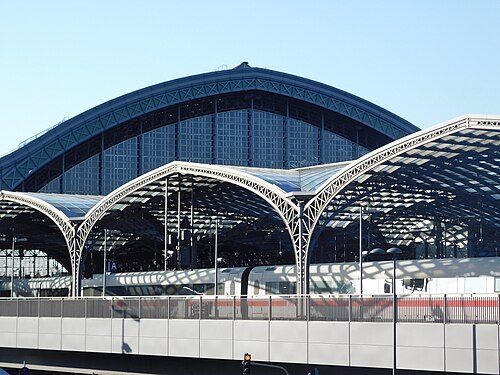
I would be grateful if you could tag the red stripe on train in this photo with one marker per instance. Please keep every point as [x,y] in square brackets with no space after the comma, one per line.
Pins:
[487,303]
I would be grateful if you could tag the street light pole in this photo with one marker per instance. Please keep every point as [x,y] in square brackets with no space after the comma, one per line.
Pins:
[104,261]
[394,313]
[12,273]
[216,255]
[360,250]
[394,252]
[165,234]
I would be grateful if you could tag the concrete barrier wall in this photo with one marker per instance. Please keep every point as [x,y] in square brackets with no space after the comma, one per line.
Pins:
[251,336]
[329,343]
[465,348]
[73,334]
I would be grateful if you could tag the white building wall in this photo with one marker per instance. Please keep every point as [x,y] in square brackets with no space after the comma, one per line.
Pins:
[465,348]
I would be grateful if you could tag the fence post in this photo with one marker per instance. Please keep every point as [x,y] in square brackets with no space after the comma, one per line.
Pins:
[234,307]
[350,308]
[139,308]
[216,307]
[308,307]
[168,307]
[498,330]
[498,312]
[270,308]
[445,309]
[200,307]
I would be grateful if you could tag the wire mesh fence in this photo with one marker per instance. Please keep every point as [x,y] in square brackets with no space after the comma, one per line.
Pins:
[371,309]
[8,308]
[450,309]
[74,308]
[98,308]
[28,308]
[154,308]
[328,308]
[421,308]
[472,309]
[48,308]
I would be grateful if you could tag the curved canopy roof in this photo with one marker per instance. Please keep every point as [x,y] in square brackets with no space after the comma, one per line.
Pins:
[233,192]
[299,180]
[18,165]
[449,173]
[42,221]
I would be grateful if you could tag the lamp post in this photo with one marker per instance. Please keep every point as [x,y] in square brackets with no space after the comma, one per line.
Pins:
[105,250]
[361,250]
[362,253]
[216,255]
[393,252]
[12,273]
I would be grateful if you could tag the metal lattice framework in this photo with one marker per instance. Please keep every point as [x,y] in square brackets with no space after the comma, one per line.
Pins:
[274,196]
[72,132]
[60,219]
[300,215]
[314,209]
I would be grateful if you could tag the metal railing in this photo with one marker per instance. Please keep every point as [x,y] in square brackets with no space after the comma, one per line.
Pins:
[449,309]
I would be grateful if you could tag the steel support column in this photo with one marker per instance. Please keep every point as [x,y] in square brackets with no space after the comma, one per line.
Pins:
[302,268]
[75,269]
[178,260]
[165,242]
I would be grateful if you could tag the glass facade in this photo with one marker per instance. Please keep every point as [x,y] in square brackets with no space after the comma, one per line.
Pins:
[303,144]
[337,148]
[83,178]
[243,137]
[268,146]
[120,164]
[195,139]
[158,148]
[53,186]
[232,146]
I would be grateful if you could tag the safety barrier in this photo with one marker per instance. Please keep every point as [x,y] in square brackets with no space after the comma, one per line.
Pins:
[479,309]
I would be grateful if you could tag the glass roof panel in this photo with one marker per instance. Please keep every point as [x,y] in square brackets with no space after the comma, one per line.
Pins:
[312,178]
[71,205]
[301,179]
[286,180]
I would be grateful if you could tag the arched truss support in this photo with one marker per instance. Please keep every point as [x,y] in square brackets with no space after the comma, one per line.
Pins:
[314,209]
[66,227]
[289,212]
[105,116]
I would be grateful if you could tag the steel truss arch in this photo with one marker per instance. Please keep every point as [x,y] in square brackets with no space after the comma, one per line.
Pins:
[60,219]
[62,137]
[275,197]
[290,212]
[314,209]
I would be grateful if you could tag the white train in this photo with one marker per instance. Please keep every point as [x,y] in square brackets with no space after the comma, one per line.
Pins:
[466,275]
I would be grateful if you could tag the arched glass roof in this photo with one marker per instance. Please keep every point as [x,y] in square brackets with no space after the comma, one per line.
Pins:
[299,180]
[43,221]
[67,206]
[449,173]
[41,150]
[71,205]
[446,174]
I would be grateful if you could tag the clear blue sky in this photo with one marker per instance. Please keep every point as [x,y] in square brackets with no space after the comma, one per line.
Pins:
[425,60]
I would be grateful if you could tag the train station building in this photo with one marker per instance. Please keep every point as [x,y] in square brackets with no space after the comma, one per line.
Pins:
[267,167]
